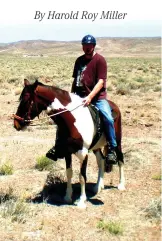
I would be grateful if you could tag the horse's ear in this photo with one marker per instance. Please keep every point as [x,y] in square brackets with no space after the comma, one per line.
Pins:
[26,82]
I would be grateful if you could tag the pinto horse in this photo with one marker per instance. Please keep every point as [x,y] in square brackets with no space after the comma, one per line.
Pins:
[76,127]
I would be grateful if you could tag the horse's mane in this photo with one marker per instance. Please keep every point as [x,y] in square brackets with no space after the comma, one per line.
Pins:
[58,90]
[62,95]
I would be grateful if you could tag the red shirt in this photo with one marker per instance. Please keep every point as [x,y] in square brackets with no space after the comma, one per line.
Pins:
[87,72]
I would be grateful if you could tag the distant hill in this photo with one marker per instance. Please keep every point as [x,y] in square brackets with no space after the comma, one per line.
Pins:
[109,47]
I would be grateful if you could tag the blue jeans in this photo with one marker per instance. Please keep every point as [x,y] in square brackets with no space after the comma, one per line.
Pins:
[105,109]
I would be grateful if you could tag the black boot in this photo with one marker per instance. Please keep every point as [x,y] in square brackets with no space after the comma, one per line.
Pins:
[56,152]
[51,154]
[111,157]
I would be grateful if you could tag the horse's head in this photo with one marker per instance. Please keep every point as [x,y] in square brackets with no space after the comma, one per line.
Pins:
[30,105]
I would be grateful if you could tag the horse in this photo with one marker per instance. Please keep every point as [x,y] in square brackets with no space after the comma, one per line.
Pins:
[76,127]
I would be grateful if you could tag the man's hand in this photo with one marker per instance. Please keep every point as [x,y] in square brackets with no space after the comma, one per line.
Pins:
[94,92]
[87,100]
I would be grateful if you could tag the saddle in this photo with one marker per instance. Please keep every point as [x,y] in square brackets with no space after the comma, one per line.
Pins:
[98,122]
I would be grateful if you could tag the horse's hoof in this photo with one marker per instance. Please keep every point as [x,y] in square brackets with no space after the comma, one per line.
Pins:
[81,205]
[121,187]
[68,200]
[97,189]
[81,202]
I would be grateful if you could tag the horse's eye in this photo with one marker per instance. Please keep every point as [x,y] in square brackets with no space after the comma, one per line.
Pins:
[27,95]
[25,98]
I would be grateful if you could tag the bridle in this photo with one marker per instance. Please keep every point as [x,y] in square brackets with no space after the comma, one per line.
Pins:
[28,114]
[16,117]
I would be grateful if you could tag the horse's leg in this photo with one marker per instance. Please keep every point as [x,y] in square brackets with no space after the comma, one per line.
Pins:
[121,185]
[83,179]
[101,167]
[83,157]
[69,173]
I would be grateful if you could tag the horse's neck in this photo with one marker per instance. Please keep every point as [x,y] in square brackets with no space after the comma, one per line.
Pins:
[62,95]
[45,92]
[50,93]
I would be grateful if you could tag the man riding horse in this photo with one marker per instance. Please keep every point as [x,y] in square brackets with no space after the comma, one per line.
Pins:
[90,74]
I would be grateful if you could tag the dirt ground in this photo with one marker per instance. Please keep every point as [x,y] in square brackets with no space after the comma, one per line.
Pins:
[53,220]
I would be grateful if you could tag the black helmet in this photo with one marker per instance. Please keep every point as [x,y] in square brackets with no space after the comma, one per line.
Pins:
[88,39]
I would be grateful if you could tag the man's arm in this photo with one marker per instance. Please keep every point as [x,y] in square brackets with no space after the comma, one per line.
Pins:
[94,92]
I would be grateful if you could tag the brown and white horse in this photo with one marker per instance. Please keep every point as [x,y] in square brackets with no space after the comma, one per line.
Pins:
[75,126]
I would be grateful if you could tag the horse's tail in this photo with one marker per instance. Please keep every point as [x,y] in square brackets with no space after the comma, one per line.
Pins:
[108,167]
[118,128]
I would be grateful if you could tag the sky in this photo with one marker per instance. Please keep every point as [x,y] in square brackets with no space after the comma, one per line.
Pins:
[32,19]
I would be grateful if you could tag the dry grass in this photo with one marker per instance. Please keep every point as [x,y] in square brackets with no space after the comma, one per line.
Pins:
[157,177]
[6,169]
[153,211]
[6,195]
[112,227]
[15,210]
[43,163]
[134,84]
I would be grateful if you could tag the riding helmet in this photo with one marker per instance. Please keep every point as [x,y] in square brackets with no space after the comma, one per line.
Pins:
[89,39]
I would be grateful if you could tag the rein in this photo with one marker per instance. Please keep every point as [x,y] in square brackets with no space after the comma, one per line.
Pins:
[22,119]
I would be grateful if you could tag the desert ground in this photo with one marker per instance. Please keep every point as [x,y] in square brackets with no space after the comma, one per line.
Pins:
[31,197]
